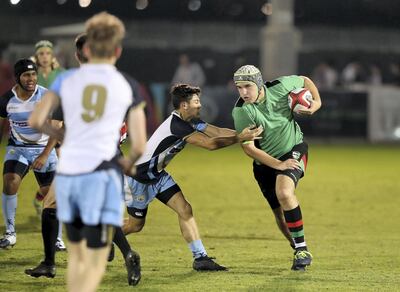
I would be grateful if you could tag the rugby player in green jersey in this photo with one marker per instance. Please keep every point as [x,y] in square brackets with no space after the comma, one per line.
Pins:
[280,156]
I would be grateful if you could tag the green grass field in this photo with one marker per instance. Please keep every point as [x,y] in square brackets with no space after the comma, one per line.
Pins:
[350,200]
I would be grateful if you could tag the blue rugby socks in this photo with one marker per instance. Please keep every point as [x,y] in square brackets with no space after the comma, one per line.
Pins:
[9,206]
[197,248]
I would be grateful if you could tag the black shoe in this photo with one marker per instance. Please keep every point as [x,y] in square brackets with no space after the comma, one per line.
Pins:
[132,263]
[112,253]
[206,263]
[302,259]
[42,270]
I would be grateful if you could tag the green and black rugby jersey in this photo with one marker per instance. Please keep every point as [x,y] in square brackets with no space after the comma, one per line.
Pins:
[281,132]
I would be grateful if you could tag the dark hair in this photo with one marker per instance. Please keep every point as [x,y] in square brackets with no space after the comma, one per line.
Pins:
[183,92]
[79,42]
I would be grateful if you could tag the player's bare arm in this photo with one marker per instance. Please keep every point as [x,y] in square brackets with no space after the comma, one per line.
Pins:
[316,101]
[137,136]
[214,143]
[252,151]
[213,131]
[39,116]
[249,133]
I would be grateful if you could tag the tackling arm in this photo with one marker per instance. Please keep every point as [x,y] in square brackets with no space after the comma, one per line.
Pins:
[212,143]
[213,131]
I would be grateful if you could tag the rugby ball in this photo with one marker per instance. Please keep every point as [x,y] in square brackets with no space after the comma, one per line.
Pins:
[299,99]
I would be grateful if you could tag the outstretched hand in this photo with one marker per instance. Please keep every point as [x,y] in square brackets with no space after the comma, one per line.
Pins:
[251,133]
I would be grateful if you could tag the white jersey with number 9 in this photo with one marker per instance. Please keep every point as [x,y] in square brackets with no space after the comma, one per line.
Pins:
[95,99]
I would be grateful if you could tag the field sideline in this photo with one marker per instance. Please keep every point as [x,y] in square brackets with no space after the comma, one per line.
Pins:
[350,199]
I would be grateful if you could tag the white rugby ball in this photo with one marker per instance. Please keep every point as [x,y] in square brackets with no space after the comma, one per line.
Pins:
[299,99]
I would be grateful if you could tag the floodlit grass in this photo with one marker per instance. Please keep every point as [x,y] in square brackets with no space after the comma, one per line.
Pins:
[350,200]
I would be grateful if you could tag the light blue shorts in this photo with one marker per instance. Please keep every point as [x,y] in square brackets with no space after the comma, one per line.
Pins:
[139,195]
[95,198]
[27,155]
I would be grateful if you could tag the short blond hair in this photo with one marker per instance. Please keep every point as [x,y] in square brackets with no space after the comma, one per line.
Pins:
[104,34]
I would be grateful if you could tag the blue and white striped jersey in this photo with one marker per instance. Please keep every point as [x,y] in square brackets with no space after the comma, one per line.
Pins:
[17,111]
[167,141]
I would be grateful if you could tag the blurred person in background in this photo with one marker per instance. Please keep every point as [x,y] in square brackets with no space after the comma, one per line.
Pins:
[27,148]
[394,74]
[188,72]
[352,74]
[48,66]
[280,156]
[50,223]
[325,76]
[95,99]
[48,70]
[375,75]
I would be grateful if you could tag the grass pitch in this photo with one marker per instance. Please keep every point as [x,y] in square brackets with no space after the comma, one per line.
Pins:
[350,200]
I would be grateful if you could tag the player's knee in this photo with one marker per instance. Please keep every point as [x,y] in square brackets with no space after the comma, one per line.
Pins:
[11,184]
[133,227]
[185,211]
[284,194]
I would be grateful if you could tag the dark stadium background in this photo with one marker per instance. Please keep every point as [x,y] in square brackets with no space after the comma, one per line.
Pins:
[350,194]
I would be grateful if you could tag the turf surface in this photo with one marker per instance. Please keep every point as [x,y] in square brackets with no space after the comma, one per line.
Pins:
[350,200]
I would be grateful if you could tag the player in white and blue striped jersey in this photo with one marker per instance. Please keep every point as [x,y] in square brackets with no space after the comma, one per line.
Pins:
[26,148]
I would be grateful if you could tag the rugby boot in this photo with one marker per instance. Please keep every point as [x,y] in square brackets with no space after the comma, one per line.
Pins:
[206,263]
[132,263]
[42,270]
[301,259]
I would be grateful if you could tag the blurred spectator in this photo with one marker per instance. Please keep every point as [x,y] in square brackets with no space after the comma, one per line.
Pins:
[353,73]
[375,75]
[48,66]
[324,76]
[394,74]
[188,72]
[6,76]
